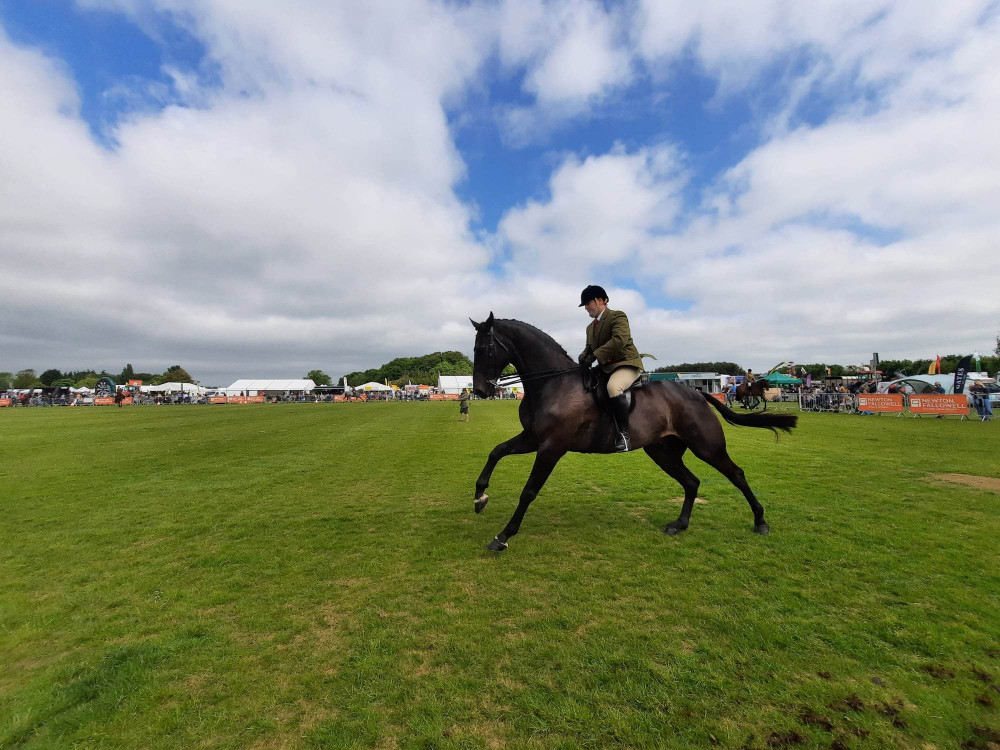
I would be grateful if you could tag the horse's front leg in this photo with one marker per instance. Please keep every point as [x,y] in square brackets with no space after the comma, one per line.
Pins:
[522,443]
[545,462]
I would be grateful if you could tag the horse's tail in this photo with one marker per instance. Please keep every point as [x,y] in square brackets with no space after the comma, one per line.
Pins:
[768,421]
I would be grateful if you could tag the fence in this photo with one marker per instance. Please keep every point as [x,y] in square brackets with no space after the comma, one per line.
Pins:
[938,405]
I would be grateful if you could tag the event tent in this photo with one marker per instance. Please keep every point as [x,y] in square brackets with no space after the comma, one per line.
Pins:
[776,378]
[373,386]
[173,388]
[259,387]
[454,383]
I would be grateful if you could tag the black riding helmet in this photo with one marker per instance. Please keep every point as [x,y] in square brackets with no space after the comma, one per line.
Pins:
[592,292]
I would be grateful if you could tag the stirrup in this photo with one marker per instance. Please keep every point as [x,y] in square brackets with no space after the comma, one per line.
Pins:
[623,443]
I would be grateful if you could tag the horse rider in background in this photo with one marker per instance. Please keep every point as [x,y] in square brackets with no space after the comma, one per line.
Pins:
[609,343]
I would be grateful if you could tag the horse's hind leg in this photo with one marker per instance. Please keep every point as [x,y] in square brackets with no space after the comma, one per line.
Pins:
[720,460]
[669,456]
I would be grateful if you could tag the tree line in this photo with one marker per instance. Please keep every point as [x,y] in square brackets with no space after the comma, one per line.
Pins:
[88,378]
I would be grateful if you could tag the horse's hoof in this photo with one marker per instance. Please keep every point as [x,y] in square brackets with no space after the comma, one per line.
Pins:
[480,502]
[762,528]
[496,545]
[672,530]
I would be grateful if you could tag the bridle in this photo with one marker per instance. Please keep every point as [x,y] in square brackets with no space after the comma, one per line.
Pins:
[490,348]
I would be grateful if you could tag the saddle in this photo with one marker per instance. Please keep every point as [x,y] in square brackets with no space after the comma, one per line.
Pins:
[595,380]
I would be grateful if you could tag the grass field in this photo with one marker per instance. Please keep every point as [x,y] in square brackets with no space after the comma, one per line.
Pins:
[314,576]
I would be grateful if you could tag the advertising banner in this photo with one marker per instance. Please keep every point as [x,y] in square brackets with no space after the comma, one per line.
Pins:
[218,400]
[255,399]
[939,404]
[104,401]
[436,397]
[134,382]
[720,396]
[880,402]
[127,401]
[961,372]
[237,399]
[340,399]
[4,402]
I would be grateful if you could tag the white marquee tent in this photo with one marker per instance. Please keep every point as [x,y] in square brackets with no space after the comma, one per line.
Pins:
[372,386]
[454,383]
[263,387]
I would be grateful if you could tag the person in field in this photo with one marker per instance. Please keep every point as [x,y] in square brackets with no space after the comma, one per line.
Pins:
[609,343]
[463,405]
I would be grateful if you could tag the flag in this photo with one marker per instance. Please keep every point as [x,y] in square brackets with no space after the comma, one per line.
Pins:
[809,380]
[935,368]
[976,356]
[961,373]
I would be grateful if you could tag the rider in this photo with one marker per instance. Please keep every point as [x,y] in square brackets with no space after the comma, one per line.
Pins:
[750,377]
[609,343]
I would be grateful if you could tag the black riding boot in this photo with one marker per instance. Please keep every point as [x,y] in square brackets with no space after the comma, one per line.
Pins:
[619,410]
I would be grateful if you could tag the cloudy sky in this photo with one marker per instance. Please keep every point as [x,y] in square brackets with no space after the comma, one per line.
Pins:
[255,189]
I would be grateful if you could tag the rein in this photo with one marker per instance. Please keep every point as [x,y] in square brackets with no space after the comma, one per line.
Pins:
[508,379]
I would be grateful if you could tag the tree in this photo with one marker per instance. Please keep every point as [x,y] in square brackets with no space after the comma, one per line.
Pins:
[62,382]
[125,375]
[6,379]
[87,382]
[176,374]
[318,377]
[424,369]
[723,368]
[49,376]
[24,379]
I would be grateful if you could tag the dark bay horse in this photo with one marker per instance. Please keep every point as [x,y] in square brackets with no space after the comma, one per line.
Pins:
[558,414]
[755,390]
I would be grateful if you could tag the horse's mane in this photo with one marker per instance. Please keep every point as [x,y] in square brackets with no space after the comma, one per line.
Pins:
[541,334]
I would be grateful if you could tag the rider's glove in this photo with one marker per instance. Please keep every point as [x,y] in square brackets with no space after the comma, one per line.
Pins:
[586,359]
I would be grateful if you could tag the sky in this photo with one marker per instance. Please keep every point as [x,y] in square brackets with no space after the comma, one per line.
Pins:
[258,189]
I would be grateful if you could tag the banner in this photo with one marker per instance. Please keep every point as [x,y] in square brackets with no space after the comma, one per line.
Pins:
[127,401]
[961,373]
[237,399]
[720,396]
[340,399]
[255,399]
[939,404]
[104,401]
[4,402]
[935,368]
[218,400]
[134,382]
[880,402]
[436,397]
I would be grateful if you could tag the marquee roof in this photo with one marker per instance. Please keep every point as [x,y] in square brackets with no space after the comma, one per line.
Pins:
[246,384]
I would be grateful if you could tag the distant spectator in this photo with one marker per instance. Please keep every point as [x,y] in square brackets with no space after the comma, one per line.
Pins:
[938,388]
[463,405]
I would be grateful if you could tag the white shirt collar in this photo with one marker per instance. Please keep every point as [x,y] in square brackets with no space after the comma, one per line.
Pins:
[602,314]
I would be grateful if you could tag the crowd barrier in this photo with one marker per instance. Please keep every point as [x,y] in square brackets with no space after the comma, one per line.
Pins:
[937,404]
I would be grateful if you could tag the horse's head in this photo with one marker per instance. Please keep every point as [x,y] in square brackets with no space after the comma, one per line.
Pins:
[490,357]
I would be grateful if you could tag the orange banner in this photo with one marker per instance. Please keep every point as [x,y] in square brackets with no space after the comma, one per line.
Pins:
[104,401]
[888,402]
[135,382]
[938,403]
[436,397]
[255,399]
[127,400]
[452,397]
[720,397]
[340,399]
[219,400]
[4,402]
[237,399]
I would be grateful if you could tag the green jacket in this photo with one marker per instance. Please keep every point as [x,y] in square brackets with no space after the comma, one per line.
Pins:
[463,400]
[611,342]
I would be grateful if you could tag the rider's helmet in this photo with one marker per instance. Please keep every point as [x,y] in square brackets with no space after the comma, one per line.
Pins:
[592,292]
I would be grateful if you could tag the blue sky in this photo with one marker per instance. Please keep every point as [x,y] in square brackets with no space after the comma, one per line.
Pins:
[720,170]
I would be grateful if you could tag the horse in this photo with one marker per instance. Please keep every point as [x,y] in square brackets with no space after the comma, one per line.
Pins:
[752,394]
[559,414]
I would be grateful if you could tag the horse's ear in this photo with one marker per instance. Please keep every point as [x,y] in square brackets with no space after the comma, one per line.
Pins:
[489,321]
[475,325]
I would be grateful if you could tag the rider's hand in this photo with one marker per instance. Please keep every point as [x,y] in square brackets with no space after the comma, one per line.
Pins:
[586,359]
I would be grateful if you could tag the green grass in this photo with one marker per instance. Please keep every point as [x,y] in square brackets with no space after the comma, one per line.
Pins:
[313,576]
